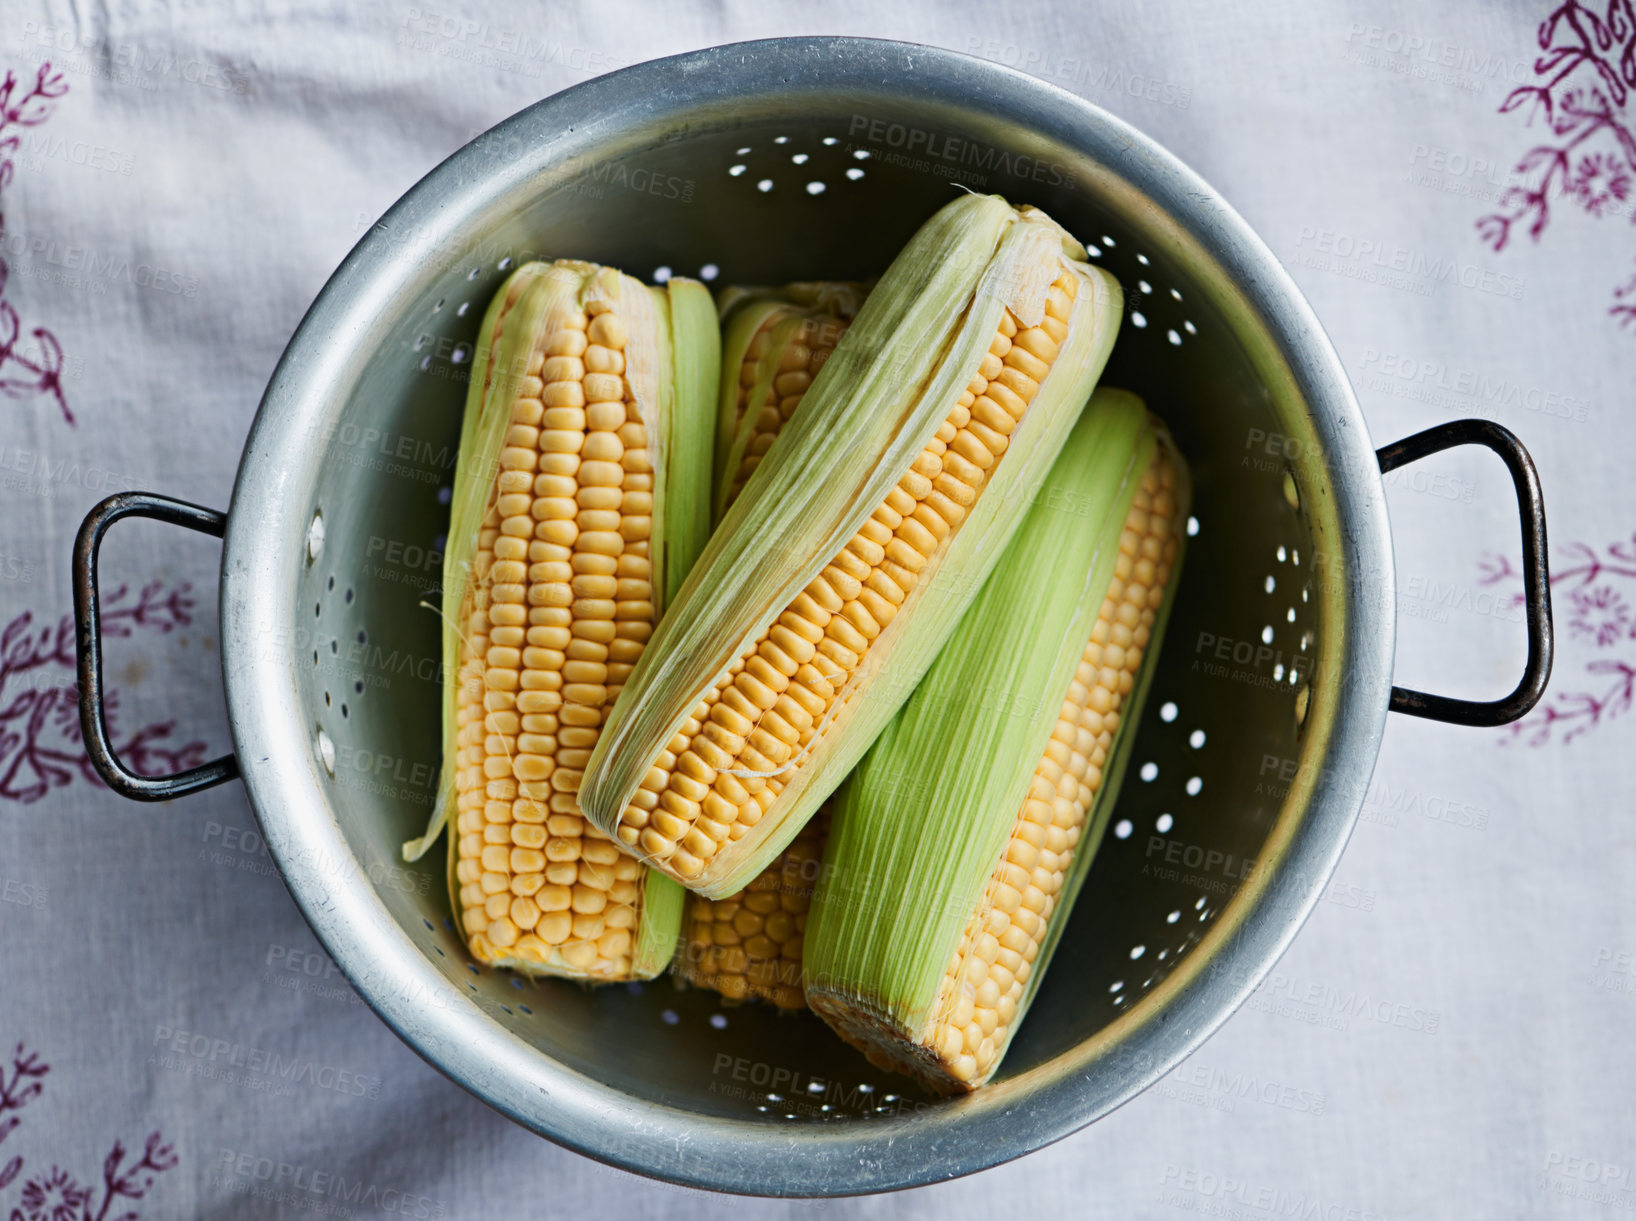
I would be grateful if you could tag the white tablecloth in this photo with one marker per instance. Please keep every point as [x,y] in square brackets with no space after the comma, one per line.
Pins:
[169,217]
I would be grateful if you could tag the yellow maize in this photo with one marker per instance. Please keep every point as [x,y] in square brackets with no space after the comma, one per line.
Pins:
[578,506]
[838,573]
[749,945]
[927,961]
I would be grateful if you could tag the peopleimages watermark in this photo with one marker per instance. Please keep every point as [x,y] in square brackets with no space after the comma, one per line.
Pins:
[1588,1178]
[24,894]
[1438,384]
[85,268]
[1218,1089]
[1614,971]
[85,54]
[1379,261]
[328,1192]
[1430,58]
[255,1068]
[945,154]
[455,36]
[1223,1195]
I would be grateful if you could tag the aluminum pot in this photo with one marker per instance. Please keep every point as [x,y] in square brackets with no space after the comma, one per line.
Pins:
[759,163]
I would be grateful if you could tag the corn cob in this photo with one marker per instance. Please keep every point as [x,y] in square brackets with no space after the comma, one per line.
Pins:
[1008,759]
[773,347]
[749,945]
[579,504]
[838,573]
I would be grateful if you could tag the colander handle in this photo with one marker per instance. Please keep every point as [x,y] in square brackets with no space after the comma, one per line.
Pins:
[1536,578]
[88,645]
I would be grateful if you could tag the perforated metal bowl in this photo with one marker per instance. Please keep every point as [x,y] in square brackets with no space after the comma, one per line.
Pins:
[766,162]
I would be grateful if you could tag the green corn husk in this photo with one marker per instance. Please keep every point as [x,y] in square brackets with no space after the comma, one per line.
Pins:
[785,313]
[878,402]
[672,367]
[917,860]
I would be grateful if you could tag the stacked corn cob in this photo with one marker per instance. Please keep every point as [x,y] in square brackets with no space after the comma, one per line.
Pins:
[748,946]
[601,752]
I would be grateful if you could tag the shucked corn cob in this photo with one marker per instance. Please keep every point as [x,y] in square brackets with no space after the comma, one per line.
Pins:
[838,573]
[961,841]
[749,945]
[580,502]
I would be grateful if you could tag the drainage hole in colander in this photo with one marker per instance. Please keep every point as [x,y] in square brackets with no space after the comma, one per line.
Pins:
[661,275]
[1171,919]
[344,712]
[735,170]
[854,173]
[1163,823]
[425,363]
[358,687]
[765,185]
[743,150]
[507,1008]
[1176,294]
[437,306]
[1192,526]
[326,699]
[1266,634]
[718,1021]
[815,188]
[1150,772]
[1143,284]
[503,263]
[1122,829]
[862,154]
[1278,673]
[709,271]
[781,139]
[334,646]
[445,495]
[474,273]
[1093,250]
[669,1017]
[1196,739]
[1270,584]
[1136,951]
[526,1010]
[1167,711]
[1189,327]
[1137,318]
[349,597]
[1290,614]
[317,609]
[1108,241]
[1173,337]
[799,158]
[516,983]
[1116,985]
[634,987]
[363,637]
[440,952]
[1194,785]
[464,306]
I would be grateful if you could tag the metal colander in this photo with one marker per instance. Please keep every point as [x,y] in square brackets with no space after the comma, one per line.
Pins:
[762,163]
